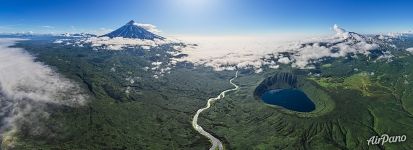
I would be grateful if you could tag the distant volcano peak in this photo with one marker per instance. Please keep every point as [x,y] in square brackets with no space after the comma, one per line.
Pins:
[350,36]
[131,22]
[134,31]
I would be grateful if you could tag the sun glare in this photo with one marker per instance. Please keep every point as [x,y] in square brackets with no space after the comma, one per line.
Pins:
[194,7]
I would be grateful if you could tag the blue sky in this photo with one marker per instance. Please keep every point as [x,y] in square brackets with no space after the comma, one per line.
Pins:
[204,17]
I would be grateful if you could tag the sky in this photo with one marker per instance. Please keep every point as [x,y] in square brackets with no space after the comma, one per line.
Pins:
[207,17]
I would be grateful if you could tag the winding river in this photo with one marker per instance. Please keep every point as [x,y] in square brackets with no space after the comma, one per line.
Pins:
[216,143]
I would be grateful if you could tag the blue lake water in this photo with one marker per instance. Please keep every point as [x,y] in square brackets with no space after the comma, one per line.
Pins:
[291,99]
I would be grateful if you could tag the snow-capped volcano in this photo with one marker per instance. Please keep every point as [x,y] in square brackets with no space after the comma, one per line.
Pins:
[131,35]
[348,36]
[133,31]
[343,37]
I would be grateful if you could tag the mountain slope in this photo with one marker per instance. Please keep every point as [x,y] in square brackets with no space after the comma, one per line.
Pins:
[133,31]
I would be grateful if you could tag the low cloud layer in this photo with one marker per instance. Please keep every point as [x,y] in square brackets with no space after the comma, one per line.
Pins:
[255,52]
[120,43]
[410,49]
[117,43]
[27,89]
[228,53]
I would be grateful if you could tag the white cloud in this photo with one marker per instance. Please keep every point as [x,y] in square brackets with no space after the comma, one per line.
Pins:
[223,52]
[410,49]
[119,43]
[49,27]
[149,27]
[27,88]
[339,30]
[232,52]
[274,66]
[284,60]
[58,41]
[254,52]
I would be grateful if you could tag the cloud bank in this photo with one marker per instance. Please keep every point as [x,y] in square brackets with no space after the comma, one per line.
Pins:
[229,53]
[27,89]
[119,43]
[410,49]
[226,53]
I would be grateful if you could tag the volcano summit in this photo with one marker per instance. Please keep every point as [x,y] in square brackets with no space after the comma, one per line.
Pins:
[134,31]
